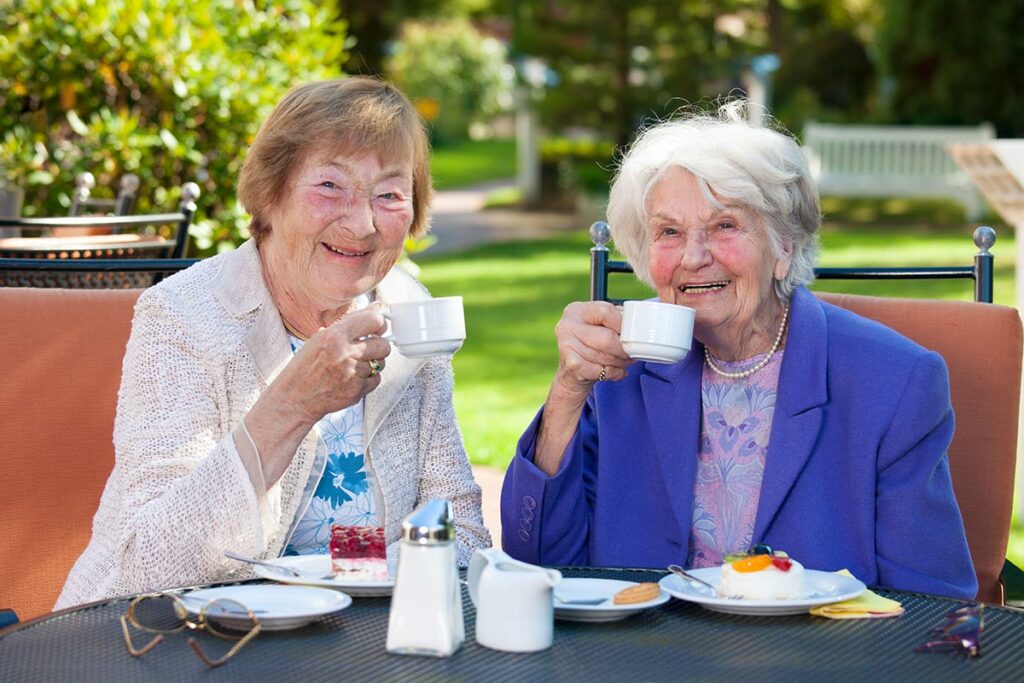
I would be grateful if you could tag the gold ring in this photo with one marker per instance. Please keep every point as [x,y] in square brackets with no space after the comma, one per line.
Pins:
[374,366]
[600,378]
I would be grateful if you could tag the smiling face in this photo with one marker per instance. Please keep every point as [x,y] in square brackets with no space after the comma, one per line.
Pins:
[717,260]
[338,229]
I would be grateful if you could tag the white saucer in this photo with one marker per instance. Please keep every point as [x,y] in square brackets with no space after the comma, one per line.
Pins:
[278,608]
[822,588]
[440,347]
[320,565]
[599,588]
[655,353]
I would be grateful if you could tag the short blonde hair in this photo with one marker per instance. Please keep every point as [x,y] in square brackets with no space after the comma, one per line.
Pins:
[762,169]
[356,115]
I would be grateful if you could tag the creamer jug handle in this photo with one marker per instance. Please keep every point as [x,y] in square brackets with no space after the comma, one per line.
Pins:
[482,558]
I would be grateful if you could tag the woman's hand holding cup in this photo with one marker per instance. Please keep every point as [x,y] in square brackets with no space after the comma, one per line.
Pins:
[340,364]
[589,349]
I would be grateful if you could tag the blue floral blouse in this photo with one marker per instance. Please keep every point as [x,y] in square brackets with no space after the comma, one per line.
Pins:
[346,493]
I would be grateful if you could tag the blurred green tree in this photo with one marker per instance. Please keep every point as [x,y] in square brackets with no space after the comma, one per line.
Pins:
[452,72]
[955,62]
[827,71]
[617,62]
[172,90]
[374,26]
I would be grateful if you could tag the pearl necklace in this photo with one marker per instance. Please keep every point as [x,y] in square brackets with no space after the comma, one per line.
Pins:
[764,361]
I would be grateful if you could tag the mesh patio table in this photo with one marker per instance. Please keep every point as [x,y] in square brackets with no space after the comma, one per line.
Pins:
[673,642]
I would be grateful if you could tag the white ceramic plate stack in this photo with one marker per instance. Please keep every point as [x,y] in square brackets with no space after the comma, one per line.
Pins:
[278,608]
[823,588]
[313,566]
[594,589]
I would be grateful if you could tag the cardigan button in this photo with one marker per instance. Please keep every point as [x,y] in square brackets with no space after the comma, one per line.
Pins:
[524,535]
[527,514]
[525,524]
[529,502]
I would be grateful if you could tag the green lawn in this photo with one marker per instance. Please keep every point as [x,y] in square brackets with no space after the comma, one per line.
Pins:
[469,162]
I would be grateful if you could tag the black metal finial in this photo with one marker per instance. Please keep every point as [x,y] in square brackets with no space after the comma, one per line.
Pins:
[129,183]
[984,238]
[189,194]
[600,233]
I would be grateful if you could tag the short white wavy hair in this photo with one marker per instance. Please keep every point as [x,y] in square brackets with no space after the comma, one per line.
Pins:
[760,168]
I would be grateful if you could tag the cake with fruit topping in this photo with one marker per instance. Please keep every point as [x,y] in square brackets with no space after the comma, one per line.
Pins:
[358,553]
[771,576]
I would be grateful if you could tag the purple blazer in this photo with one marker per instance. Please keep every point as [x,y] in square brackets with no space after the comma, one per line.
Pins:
[856,475]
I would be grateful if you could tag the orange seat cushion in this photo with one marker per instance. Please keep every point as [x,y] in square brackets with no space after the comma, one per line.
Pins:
[60,359]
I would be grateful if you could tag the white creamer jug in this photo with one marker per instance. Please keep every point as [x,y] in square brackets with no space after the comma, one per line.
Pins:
[426,604]
[514,603]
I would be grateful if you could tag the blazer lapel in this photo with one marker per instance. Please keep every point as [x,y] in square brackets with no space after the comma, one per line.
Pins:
[671,395]
[803,390]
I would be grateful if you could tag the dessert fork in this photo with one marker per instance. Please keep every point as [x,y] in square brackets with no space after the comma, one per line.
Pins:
[278,567]
[687,576]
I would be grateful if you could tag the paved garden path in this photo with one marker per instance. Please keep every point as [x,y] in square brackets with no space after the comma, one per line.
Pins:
[460,220]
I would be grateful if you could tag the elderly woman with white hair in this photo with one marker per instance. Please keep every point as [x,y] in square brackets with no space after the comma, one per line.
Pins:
[791,423]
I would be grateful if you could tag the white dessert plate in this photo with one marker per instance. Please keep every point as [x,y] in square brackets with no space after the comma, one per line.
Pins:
[320,565]
[592,589]
[278,608]
[822,588]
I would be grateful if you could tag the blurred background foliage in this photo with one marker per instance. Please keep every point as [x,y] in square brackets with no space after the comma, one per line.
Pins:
[455,75]
[174,90]
[171,90]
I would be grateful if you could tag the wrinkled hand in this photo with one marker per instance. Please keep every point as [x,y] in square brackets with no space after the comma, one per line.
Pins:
[333,369]
[588,344]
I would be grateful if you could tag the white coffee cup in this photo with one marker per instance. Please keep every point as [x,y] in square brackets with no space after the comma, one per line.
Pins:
[430,327]
[655,331]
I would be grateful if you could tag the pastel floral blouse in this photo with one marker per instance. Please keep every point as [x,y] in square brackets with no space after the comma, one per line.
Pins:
[347,492]
[736,423]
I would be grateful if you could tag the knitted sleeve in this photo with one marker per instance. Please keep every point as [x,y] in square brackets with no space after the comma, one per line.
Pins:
[179,494]
[445,470]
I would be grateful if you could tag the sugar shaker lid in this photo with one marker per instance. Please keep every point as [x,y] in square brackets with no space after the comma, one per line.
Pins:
[431,523]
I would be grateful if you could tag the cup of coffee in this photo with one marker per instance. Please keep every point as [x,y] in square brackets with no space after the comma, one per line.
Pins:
[431,327]
[656,331]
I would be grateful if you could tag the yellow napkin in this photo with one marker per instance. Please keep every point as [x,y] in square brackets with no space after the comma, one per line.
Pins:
[867,605]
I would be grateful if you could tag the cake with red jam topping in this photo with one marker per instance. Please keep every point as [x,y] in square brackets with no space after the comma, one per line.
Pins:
[768,576]
[358,553]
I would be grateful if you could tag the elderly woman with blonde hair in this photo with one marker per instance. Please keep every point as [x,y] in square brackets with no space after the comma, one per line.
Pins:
[259,403]
[790,423]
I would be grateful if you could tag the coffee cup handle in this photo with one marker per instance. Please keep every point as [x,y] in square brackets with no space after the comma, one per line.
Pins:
[390,318]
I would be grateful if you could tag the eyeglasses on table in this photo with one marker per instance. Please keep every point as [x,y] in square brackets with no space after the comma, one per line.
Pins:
[165,613]
[961,633]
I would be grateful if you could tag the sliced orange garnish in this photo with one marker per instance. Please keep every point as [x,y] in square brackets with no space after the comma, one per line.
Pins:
[754,563]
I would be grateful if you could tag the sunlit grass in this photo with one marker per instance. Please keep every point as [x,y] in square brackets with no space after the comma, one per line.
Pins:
[472,161]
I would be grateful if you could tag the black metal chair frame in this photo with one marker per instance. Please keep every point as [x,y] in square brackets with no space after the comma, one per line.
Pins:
[982,272]
[182,219]
[121,206]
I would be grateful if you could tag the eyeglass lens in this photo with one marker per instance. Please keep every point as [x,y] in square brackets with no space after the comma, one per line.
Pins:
[163,613]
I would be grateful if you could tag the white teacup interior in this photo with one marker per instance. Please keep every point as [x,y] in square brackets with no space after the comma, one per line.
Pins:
[656,331]
[428,327]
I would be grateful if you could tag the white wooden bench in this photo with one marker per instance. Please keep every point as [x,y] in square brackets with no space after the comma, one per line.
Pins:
[892,161]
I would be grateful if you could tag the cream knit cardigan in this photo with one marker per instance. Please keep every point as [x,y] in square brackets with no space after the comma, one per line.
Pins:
[204,344]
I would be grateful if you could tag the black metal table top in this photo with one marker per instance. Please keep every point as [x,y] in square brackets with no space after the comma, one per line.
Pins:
[677,641]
